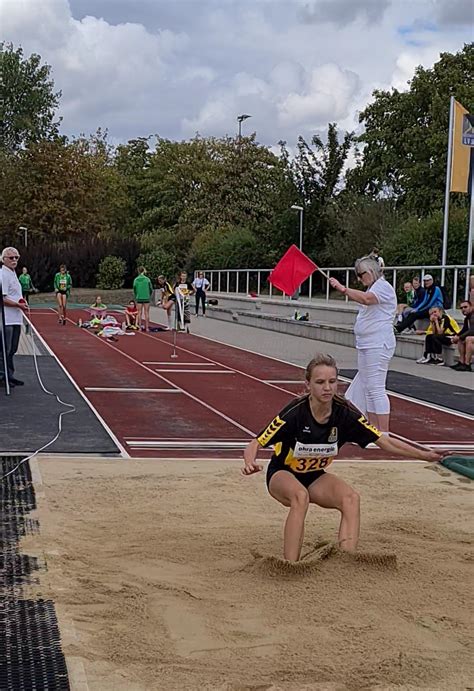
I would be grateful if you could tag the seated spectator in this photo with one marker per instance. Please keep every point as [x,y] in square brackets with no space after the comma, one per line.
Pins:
[440,332]
[433,297]
[419,291]
[98,309]
[409,297]
[131,315]
[465,339]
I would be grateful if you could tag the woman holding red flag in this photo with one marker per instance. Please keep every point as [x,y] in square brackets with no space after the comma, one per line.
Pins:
[375,340]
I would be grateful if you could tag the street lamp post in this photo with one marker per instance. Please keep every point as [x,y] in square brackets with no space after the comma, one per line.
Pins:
[300,210]
[25,231]
[240,119]
[295,207]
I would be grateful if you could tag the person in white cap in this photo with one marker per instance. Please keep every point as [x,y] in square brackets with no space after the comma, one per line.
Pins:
[13,305]
[433,298]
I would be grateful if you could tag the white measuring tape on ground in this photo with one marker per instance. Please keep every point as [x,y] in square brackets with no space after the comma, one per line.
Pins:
[72,408]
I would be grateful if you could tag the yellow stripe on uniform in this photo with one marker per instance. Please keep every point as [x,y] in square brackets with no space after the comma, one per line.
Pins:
[365,423]
[268,434]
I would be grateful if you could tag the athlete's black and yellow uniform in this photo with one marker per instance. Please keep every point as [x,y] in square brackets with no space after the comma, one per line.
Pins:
[304,447]
[167,292]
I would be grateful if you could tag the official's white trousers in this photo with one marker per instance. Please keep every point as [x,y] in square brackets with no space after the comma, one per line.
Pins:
[367,390]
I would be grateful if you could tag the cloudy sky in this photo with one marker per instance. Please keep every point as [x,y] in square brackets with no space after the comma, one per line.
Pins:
[177,67]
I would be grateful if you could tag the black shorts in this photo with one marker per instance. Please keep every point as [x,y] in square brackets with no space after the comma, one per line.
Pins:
[306,479]
[61,292]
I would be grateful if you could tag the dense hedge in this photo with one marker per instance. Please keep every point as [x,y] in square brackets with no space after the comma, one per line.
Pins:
[82,257]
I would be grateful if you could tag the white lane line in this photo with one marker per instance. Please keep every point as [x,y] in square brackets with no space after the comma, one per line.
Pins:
[197,371]
[283,381]
[123,452]
[188,444]
[168,381]
[179,364]
[451,443]
[216,362]
[124,390]
[180,439]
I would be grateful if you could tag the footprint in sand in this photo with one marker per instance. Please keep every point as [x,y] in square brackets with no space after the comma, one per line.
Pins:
[438,470]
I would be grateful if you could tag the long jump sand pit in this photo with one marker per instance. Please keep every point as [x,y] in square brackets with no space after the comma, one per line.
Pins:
[166,576]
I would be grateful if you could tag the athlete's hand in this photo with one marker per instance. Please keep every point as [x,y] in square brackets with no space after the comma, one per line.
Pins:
[251,467]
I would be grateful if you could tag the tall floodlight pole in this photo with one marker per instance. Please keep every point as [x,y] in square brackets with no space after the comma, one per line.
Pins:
[240,119]
[300,209]
[24,229]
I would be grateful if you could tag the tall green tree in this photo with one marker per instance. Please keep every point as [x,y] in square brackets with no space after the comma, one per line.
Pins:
[406,135]
[356,224]
[62,190]
[316,173]
[27,99]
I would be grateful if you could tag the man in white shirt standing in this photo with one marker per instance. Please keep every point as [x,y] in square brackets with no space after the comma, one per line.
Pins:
[14,305]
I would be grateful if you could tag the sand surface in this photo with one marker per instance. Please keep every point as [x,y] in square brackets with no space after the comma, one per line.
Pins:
[156,587]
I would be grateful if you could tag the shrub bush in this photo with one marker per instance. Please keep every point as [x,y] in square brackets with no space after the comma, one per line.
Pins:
[111,273]
[158,262]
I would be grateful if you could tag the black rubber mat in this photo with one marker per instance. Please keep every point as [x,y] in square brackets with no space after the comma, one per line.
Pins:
[30,417]
[447,395]
[30,644]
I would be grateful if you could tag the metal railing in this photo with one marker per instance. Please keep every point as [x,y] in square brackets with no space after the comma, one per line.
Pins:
[255,281]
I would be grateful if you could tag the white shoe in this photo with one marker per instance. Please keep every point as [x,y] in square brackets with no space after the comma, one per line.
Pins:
[439,362]
[423,360]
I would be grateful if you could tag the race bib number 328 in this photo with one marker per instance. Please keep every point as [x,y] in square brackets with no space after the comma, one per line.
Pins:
[307,465]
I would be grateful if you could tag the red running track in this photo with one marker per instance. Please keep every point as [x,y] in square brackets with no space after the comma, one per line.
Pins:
[207,402]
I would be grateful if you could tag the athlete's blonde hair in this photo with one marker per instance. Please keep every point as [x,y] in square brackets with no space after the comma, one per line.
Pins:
[319,359]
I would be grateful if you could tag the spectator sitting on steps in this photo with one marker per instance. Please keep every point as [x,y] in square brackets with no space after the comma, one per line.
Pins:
[409,297]
[465,339]
[440,332]
[433,298]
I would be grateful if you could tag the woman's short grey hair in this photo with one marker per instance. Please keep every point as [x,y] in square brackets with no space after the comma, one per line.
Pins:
[370,265]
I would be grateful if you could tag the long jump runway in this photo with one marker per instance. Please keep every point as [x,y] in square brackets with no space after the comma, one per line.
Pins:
[210,400]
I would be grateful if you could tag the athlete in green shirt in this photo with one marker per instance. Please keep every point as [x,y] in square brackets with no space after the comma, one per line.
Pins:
[142,291]
[62,287]
[26,283]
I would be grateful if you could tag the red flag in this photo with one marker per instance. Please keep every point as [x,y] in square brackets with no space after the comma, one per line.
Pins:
[292,269]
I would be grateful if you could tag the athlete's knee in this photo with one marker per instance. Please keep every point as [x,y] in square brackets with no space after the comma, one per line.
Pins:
[350,500]
[300,499]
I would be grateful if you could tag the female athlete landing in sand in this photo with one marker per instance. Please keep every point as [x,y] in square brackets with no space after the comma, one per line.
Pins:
[307,435]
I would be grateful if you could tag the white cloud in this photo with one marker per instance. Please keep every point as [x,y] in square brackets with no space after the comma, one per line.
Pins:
[328,97]
[182,67]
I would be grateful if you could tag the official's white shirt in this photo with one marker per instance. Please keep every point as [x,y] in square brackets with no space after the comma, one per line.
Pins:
[201,284]
[11,289]
[374,324]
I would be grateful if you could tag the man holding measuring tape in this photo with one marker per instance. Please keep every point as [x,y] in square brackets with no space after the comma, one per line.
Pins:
[14,305]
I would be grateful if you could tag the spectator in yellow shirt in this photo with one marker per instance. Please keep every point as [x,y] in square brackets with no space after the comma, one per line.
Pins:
[440,332]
